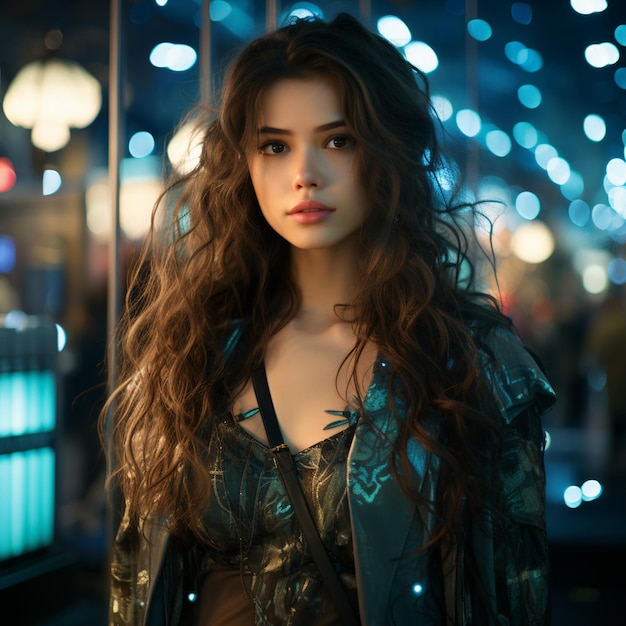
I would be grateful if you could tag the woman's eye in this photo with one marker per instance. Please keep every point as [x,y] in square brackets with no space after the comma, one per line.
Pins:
[339,141]
[272,147]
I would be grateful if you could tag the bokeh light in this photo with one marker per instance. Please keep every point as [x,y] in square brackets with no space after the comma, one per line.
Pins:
[573,496]
[174,57]
[422,56]
[51,182]
[601,54]
[479,29]
[594,127]
[527,204]
[587,7]
[529,96]
[533,242]
[141,144]
[469,122]
[7,174]
[579,213]
[394,30]
[525,134]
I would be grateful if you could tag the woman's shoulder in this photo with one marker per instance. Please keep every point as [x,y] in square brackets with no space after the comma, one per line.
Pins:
[514,373]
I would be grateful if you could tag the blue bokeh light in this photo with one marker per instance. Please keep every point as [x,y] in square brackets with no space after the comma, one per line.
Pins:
[479,29]
[579,213]
[528,205]
[529,96]
[522,13]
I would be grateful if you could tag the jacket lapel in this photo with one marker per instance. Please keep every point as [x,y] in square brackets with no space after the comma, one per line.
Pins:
[383,518]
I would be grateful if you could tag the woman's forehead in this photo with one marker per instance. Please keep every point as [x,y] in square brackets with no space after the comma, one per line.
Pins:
[314,100]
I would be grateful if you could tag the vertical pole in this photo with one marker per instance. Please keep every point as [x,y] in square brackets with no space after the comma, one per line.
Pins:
[271,19]
[206,74]
[365,10]
[471,85]
[114,268]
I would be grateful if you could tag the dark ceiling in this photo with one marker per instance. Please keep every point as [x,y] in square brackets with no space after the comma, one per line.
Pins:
[155,99]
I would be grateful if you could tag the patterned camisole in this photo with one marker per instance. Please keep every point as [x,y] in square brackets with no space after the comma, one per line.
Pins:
[257,551]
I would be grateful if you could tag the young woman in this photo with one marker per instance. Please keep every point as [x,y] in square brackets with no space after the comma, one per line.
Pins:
[313,239]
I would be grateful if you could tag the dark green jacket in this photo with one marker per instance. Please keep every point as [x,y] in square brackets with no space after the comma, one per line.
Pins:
[150,583]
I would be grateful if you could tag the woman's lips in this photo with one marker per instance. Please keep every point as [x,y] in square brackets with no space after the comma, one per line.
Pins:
[310,212]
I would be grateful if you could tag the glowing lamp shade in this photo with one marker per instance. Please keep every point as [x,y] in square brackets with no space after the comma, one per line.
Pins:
[533,242]
[140,188]
[137,197]
[50,97]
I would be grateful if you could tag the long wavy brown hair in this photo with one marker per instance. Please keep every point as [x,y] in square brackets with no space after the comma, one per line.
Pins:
[213,264]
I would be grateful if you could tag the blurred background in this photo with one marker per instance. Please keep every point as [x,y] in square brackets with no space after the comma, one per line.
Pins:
[533,98]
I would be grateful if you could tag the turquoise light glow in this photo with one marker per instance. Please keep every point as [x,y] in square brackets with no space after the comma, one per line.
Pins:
[544,152]
[61,338]
[498,142]
[219,10]
[141,144]
[522,13]
[533,61]
[418,589]
[616,172]
[301,10]
[16,504]
[574,186]
[617,200]
[51,182]
[5,499]
[602,216]
[572,497]
[393,29]
[594,127]
[579,213]
[527,204]
[174,57]
[479,29]
[529,96]
[19,403]
[27,402]
[591,490]
[27,407]
[443,107]
[587,7]
[525,134]
[528,59]
[469,122]
[558,170]
[26,501]
[601,54]
[422,56]
[516,52]
[617,271]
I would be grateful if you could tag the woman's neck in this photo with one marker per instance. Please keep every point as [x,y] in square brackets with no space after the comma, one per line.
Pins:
[325,277]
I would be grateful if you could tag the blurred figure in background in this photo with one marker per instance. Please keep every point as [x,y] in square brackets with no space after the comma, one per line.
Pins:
[606,351]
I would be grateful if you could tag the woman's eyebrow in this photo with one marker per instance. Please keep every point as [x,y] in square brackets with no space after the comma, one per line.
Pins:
[271,130]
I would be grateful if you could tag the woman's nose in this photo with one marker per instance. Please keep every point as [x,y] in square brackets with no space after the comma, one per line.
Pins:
[307,172]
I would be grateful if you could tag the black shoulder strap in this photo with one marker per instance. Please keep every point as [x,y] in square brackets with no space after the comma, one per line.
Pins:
[266,408]
[287,470]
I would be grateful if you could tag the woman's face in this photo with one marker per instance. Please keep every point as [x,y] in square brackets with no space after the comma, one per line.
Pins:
[303,166]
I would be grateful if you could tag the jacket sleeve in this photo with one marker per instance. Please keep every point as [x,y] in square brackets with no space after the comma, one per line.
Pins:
[128,589]
[521,550]
[520,547]
[146,576]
